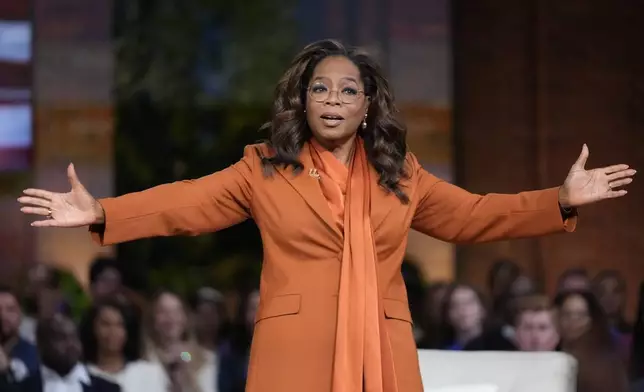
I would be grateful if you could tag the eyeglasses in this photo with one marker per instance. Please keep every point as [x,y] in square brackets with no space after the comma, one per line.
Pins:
[348,95]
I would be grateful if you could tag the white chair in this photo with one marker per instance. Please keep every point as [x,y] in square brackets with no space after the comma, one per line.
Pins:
[486,371]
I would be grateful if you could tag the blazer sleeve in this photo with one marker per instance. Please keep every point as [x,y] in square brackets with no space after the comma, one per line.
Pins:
[452,214]
[191,207]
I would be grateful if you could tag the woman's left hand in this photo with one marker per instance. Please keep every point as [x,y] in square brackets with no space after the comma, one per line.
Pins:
[589,186]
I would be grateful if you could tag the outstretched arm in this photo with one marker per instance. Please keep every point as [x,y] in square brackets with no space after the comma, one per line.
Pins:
[191,207]
[207,204]
[450,213]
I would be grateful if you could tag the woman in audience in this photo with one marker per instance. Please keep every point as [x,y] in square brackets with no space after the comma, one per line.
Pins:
[463,316]
[586,336]
[110,335]
[171,343]
[235,351]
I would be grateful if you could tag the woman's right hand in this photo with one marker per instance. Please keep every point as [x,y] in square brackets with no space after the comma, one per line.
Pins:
[75,208]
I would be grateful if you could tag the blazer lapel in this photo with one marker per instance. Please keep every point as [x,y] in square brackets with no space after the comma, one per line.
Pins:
[308,187]
[382,201]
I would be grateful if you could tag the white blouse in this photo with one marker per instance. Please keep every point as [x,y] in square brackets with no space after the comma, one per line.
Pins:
[136,376]
[206,377]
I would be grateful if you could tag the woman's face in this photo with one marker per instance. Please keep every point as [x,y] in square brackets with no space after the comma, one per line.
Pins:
[465,310]
[574,318]
[170,317]
[109,328]
[336,103]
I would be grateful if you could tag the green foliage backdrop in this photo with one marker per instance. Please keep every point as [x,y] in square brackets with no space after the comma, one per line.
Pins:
[168,128]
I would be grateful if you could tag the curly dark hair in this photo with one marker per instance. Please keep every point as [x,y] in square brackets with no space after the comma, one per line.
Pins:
[131,323]
[384,137]
[600,335]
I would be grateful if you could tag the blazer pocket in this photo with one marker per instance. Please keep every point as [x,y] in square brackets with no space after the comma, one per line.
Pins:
[281,305]
[396,309]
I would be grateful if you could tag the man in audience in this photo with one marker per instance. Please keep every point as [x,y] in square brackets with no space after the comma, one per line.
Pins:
[61,370]
[535,328]
[21,356]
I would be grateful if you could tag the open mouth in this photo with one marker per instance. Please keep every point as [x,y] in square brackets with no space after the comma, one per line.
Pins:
[332,117]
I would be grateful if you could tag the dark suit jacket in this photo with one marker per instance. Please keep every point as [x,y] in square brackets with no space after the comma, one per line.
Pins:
[34,384]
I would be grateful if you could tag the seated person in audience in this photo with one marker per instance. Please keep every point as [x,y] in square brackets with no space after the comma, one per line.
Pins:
[22,355]
[586,336]
[466,325]
[110,334]
[61,369]
[171,343]
[535,324]
[464,317]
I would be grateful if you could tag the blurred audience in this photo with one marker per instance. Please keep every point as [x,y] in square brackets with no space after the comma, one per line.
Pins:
[170,342]
[610,288]
[105,280]
[535,324]
[201,349]
[500,278]
[20,355]
[586,336]
[637,353]
[209,317]
[42,298]
[235,351]
[61,368]
[431,321]
[463,316]
[111,337]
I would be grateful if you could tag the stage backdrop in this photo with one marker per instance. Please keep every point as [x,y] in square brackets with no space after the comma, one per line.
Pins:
[72,112]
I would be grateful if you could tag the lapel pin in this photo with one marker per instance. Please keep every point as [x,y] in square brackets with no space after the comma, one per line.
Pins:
[314,173]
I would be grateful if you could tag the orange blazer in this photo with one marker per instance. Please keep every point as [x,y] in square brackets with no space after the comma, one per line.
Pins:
[292,349]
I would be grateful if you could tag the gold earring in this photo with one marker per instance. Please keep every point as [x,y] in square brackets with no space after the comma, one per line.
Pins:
[364,122]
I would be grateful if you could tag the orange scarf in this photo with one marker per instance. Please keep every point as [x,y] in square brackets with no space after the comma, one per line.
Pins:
[363,357]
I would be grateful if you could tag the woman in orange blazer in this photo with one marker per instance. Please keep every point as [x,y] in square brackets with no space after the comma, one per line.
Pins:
[334,193]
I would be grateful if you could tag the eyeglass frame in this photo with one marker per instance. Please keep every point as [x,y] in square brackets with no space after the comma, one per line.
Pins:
[337,93]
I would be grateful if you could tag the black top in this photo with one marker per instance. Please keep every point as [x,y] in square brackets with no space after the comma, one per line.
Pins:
[33,383]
